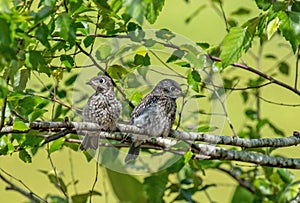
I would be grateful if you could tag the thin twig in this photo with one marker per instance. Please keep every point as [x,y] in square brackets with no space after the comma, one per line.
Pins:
[278,103]
[224,15]
[263,75]
[297,68]
[29,194]
[96,176]
[104,71]
[59,186]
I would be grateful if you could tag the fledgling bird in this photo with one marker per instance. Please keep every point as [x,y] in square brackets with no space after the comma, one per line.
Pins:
[102,108]
[155,114]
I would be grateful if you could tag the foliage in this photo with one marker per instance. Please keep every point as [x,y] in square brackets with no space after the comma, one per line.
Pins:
[42,43]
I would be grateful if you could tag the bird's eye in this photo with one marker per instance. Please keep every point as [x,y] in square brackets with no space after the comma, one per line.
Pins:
[172,89]
[101,80]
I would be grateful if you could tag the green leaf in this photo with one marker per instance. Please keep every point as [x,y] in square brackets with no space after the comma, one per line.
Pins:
[284,68]
[65,27]
[6,146]
[188,156]
[5,34]
[43,13]
[126,187]
[155,194]
[57,182]
[289,28]
[194,80]
[142,60]
[117,71]
[136,33]
[71,80]
[203,45]
[103,52]
[235,42]
[20,125]
[153,9]
[177,54]
[89,40]
[264,4]
[82,198]
[136,9]
[37,113]
[38,62]
[3,91]
[285,175]
[241,195]
[272,27]
[245,96]
[276,130]
[241,11]
[251,114]
[67,60]
[25,156]
[42,34]
[165,34]
[22,79]
[56,145]
[207,129]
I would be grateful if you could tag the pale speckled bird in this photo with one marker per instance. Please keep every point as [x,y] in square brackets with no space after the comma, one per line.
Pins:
[102,108]
[155,114]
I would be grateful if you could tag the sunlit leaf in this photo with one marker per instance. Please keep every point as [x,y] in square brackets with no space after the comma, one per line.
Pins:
[20,125]
[272,27]
[235,42]
[154,7]
[241,195]
[82,198]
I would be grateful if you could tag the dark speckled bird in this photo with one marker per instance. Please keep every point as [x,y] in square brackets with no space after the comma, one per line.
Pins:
[155,114]
[102,108]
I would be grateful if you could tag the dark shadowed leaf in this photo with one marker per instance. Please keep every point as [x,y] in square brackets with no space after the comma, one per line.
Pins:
[241,11]
[284,68]
[25,156]
[126,187]
[155,194]
[82,198]
[177,54]
[165,34]
[42,34]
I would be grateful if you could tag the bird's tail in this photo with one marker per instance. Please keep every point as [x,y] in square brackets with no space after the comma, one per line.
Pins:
[133,152]
[89,142]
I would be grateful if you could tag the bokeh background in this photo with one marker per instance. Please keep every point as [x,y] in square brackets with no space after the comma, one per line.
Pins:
[206,26]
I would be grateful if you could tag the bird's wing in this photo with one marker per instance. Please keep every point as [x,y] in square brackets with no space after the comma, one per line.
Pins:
[145,105]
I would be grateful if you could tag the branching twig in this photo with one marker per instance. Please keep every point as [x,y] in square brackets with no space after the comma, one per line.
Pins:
[29,194]
[104,71]
[261,74]
[243,183]
[59,186]
[278,103]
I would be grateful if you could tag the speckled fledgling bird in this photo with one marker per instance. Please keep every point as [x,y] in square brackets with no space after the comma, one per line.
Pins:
[155,114]
[102,108]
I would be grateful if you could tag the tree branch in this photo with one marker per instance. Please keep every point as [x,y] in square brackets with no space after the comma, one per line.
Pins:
[29,194]
[261,74]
